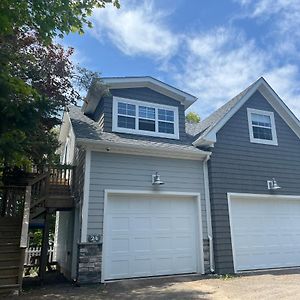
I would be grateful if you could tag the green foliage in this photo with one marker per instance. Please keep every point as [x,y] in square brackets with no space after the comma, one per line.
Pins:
[49,18]
[36,235]
[37,78]
[192,117]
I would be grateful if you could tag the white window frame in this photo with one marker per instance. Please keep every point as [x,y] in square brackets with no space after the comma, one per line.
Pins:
[270,114]
[115,127]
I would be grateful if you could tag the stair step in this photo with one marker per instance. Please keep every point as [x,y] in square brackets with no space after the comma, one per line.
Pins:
[9,289]
[5,240]
[7,262]
[10,247]
[7,233]
[9,270]
[9,254]
[8,279]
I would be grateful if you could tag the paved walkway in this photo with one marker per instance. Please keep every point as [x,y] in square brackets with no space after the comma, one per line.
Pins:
[279,285]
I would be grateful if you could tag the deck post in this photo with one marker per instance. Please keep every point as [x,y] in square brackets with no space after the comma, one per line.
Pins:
[44,250]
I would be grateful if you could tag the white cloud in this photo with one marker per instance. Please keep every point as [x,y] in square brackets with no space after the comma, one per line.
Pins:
[284,18]
[285,82]
[213,65]
[136,29]
[218,65]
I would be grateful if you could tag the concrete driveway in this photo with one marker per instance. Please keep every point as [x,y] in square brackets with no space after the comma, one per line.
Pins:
[277,285]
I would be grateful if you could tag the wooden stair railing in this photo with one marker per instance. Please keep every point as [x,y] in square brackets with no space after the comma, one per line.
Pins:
[14,222]
[17,208]
[51,188]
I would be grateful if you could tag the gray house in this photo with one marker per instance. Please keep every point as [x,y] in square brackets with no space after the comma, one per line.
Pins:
[155,196]
[254,175]
[142,191]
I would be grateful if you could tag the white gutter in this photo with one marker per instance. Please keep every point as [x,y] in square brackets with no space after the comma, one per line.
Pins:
[208,215]
[147,150]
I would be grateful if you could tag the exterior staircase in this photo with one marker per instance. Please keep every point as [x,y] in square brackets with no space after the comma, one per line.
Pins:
[44,193]
[10,254]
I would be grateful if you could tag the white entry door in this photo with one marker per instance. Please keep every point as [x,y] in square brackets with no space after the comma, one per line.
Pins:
[147,235]
[265,232]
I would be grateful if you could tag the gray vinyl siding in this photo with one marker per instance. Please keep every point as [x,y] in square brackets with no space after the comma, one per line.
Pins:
[237,165]
[129,172]
[103,112]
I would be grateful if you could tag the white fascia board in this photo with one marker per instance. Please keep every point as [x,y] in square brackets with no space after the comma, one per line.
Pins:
[274,100]
[143,150]
[212,134]
[86,197]
[278,104]
[130,82]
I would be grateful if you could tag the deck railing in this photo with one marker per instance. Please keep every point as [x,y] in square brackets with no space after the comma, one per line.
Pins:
[12,199]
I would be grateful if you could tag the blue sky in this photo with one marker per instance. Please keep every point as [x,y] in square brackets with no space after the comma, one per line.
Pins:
[212,49]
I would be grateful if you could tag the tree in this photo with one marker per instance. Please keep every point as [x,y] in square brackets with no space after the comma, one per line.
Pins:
[49,18]
[192,117]
[37,77]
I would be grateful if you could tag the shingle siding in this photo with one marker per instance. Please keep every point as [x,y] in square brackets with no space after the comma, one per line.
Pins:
[236,165]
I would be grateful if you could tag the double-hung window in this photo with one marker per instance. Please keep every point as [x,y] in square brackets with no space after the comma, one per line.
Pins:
[137,117]
[262,127]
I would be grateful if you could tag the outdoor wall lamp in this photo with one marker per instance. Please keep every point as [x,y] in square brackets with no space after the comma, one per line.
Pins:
[272,185]
[156,179]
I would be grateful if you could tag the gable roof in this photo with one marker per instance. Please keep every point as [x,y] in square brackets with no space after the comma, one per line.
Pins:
[205,131]
[137,82]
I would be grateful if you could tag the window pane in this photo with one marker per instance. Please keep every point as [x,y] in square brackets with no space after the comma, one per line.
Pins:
[126,122]
[147,125]
[166,115]
[146,112]
[261,120]
[166,127]
[126,109]
[262,133]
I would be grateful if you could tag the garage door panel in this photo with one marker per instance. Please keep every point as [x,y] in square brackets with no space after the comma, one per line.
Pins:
[140,242]
[265,232]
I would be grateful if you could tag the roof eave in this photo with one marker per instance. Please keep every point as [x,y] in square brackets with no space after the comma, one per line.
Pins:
[147,81]
[149,150]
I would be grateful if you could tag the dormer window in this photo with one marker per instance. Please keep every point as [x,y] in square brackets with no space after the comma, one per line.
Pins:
[262,128]
[137,117]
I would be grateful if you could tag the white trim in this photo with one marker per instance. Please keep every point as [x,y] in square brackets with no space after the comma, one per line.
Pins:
[270,114]
[152,83]
[231,196]
[137,103]
[86,196]
[155,150]
[265,196]
[197,196]
[274,100]
[231,232]
[208,215]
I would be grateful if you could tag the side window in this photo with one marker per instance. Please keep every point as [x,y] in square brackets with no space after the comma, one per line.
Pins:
[262,128]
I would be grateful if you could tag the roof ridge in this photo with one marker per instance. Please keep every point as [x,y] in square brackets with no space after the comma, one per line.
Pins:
[217,115]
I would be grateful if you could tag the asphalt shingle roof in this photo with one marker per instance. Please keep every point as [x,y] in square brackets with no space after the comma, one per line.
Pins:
[86,128]
[207,124]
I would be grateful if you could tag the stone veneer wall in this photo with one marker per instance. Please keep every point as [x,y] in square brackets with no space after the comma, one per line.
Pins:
[89,262]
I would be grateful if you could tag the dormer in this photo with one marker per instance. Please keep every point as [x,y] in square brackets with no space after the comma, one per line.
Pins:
[141,106]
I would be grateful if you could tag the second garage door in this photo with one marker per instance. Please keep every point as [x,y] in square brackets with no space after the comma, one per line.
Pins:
[148,235]
[265,231]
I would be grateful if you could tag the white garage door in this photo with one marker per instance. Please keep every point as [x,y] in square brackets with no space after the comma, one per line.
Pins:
[149,236]
[265,232]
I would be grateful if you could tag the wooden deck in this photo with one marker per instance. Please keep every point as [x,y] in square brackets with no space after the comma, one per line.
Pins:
[45,192]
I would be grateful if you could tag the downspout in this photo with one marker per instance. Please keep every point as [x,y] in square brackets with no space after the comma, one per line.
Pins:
[208,215]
